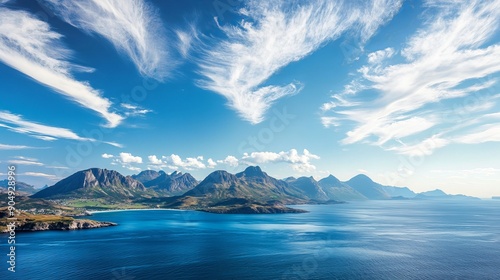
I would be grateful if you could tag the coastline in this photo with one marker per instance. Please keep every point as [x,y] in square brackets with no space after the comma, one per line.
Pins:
[134,209]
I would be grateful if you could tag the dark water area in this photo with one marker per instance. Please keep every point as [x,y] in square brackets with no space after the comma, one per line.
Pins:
[363,240]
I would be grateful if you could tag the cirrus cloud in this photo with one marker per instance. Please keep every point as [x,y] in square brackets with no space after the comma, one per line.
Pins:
[450,61]
[273,34]
[28,45]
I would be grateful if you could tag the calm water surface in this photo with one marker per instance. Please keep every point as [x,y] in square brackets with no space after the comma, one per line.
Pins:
[365,240]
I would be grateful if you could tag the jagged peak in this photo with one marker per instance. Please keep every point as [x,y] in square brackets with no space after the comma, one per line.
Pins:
[176,173]
[220,176]
[306,179]
[253,171]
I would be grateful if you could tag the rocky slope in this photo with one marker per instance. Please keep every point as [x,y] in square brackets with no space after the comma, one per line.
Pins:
[337,190]
[176,183]
[96,183]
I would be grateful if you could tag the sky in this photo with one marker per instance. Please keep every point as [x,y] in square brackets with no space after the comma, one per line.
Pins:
[406,92]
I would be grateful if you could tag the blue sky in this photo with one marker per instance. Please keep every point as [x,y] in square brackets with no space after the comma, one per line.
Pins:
[405,92]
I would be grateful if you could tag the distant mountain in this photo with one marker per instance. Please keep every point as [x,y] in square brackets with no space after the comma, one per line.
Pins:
[95,183]
[434,193]
[440,195]
[337,190]
[20,187]
[252,184]
[147,175]
[371,190]
[176,183]
[255,176]
[399,192]
[309,187]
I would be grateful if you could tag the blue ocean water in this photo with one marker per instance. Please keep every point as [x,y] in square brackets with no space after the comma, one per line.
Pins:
[364,240]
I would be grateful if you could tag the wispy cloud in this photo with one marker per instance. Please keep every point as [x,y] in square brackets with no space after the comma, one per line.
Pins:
[482,134]
[449,62]
[20,160]
[15,147]
[28,45]
[17,124]
[273,34]
[40,174]
[133,27]
[134,110]
[476,173]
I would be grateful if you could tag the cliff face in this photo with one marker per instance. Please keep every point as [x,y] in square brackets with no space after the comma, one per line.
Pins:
[62,225]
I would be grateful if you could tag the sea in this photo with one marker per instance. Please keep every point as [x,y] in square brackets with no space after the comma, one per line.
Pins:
[360,240]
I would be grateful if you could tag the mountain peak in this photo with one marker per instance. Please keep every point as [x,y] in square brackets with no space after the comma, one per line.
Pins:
[176,173]
[94,183]
[361,178]
[436,192]
[253,171]
[332,180]
[220,176]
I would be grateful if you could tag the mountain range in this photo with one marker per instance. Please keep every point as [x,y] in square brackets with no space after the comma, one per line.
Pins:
[176,183]
[223,192]
[96,183]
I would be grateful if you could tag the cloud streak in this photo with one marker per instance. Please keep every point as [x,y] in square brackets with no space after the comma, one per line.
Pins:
[28,45]
[450,61]
[133,27]
[16,123]
[15,147]
[273,34]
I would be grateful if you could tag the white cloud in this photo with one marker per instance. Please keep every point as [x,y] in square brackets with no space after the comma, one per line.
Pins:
[174,162]
[48,133]
[449,60]
[154,160]
[57,167]
[129,158]
[273,34]
[133,27]
[230,160]
[28,45]
[301,163]
[211,163]
[125,160]
[15,147]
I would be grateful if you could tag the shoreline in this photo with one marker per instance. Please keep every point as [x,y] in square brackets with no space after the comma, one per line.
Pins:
[134,209]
